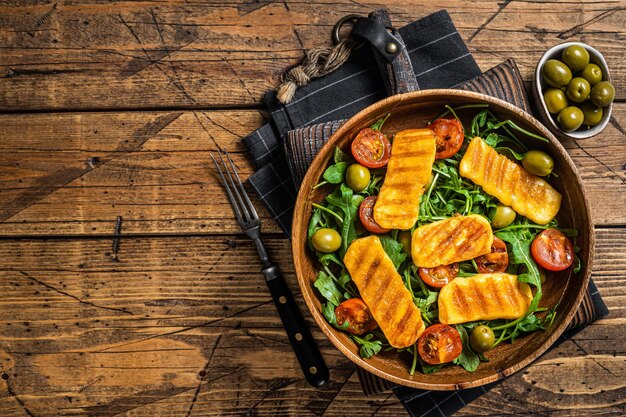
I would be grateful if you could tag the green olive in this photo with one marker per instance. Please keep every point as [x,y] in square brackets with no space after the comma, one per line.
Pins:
[326,240]
[556,73]
[357,177]
[576,57]
[538,163]
[570,118]
[602,94]
[404,237]
[555,100]
[482,338]
[593,114]
[578,90]
[592,73]
[502,216]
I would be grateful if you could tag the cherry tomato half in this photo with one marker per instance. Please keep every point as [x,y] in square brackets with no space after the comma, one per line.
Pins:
[552,250]
[450,135]
[357,314]
[371,148]
[440,275]
[495,261]
[439,343]
[366,214]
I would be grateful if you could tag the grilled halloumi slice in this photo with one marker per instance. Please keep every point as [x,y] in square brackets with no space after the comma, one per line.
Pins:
[456,239]
[383,291]
[509,182]
[483,297]
[412,156]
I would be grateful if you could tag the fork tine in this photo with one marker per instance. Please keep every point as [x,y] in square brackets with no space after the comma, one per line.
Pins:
[242,206]
[233,202]
[251,209]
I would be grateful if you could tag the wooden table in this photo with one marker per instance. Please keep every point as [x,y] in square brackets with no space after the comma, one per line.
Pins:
[109,110]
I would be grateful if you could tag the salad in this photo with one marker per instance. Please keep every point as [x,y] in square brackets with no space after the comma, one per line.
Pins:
[520,246]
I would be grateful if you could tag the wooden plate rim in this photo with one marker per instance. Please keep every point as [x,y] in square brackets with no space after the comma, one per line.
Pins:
[308,292]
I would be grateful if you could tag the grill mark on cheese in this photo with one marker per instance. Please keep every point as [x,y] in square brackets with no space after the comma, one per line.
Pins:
[476,234]
[383,291]
[493,291]
[452,240]
[481,300]
[482,297]
[405,320]
[373,268]
[506,180]
[412,156]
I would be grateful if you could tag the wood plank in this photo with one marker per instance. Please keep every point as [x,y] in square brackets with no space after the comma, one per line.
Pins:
[74,173]
[90,55]
[186,323]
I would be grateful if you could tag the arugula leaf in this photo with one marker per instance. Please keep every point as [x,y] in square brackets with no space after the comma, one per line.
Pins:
[328,311]
[380,122]
[393,249]
[341,156]
[314,225]
[520,255]
[508,151]
[327,287]
[335,174]
[344,198]
[368,346]
[467,359]
[430,369]
[578,265]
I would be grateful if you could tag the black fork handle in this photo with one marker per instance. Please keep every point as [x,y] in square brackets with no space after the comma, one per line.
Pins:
[307,352]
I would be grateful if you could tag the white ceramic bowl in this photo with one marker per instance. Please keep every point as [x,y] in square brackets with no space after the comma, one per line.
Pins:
[539,85]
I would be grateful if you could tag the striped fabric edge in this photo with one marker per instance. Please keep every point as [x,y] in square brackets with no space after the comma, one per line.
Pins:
[302,145]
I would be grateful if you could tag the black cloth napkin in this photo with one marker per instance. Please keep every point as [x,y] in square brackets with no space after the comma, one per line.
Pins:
[440,60]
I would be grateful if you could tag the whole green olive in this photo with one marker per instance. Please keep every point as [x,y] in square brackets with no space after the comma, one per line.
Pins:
[592,73]
[555,100]
[482,338]
[602,94]
[326,240]
[576,57]
[593,114]
[357,177]
[538,163]
[556,73]
[404,237]
[502,216]
[578,90]
[570,118]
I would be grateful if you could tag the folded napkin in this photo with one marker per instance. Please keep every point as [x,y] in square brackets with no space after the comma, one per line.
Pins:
[440,60]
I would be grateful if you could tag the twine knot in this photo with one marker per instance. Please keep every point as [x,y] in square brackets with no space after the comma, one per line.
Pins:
[316,63]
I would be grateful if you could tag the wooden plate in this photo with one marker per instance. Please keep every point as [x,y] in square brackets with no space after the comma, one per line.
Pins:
[413,110]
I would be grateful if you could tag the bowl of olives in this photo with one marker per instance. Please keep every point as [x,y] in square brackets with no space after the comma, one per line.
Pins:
[573,91]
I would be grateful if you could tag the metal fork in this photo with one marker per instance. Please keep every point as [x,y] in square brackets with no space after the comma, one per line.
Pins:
[304,346]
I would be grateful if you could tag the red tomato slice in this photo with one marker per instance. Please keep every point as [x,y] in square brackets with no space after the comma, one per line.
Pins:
[450,135]
[495,261]
[357,314]
[552,250]
[439,343]
[371,148]
[366,214]
[440,275]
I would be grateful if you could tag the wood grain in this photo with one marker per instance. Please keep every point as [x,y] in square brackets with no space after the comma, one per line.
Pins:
[178,318]
[151,54]
[74,173]
[114,106]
